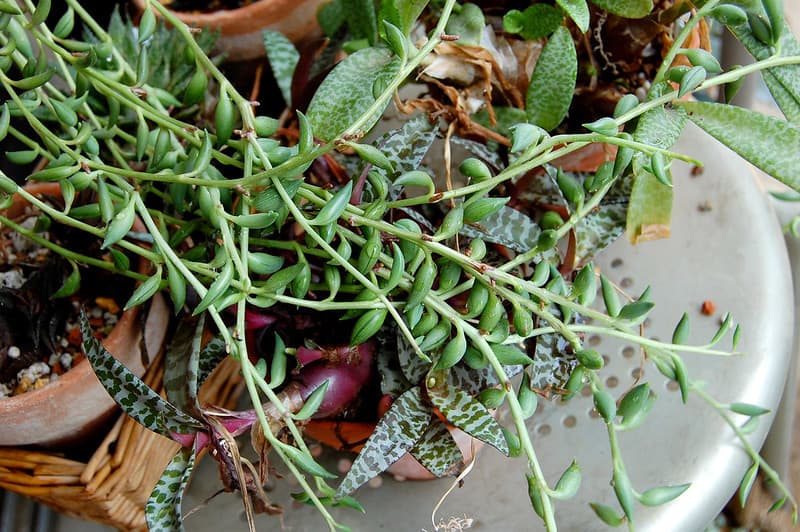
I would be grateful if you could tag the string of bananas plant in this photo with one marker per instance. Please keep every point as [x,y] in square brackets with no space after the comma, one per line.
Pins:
[332,263]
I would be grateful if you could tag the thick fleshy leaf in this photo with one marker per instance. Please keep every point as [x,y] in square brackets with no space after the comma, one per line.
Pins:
[210,357]
[137,399]
[626,8]
[578,11]
[480,150]
[551,366]
[769,143]
[468,414]
[163,509]
[473,381]
[413,367]
[553,81]
[508,227]
[393,382]
[406,146]
[397,432]
[437,451]
[283,58]
[783,82]
[604,225]
[650,208]
[346,93]
[181,365]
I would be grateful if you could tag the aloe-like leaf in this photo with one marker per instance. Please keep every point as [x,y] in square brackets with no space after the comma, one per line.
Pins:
[553,81]
[783,82]
[468,414]
[210,357]
[437,451]
[163,508]
[626,8]
[578,11]
[552,366]
[137,399]
[769,143]
[396,433]
[346,93]
[650,208]
[412,366]
[508,227]
[283,58]
[181,365]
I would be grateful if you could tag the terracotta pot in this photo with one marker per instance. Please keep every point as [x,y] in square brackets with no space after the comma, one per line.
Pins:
[240,29]
[75,405]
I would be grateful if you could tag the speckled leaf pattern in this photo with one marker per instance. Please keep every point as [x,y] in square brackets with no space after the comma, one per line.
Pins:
[283,58]
[553,81]
[181,365]
[479,150]
[508,227]
[603,226]
[406,146]
[393,382]
[396,433]
[210,357]
[578,11]
[136,398]
[650,208]
[783,81]
[346,93]
[475,380]
[413,367]
[626,8]
[437,451]
[163,509]
[551,366]
[769,143]
[468,414]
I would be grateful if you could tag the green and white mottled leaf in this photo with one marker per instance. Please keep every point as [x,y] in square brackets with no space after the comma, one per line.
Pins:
[473,381]
[437,451]
[181,365]
[414,368]
[346,93]
[137,399]
[210,356]
[283,58]
[480,150]
[163,509]
[783,82]
[397,432]
[406,146]
[626,8]
[578,11]
[769,143]
[468,414]
[553,81]
[508,227]
[601,227]
[650,208]
[551,366]
[393,382]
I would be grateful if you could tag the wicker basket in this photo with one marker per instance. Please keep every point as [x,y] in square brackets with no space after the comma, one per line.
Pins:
[113,486]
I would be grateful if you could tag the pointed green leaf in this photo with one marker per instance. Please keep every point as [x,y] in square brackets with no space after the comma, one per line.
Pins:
[402,13]
[283,58]
[346,93]
[163,510]
[397,432]
[313,402]
[468,414]
[747,484]
[437,451]
[578,11]
[553,81]
[662,494]
[210,357]
[768,143]
[606,514]
[136,398]
[181,365]
[334,208]
[626,8]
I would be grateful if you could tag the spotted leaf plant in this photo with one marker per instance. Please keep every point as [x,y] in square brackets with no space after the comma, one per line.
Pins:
[409,243]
